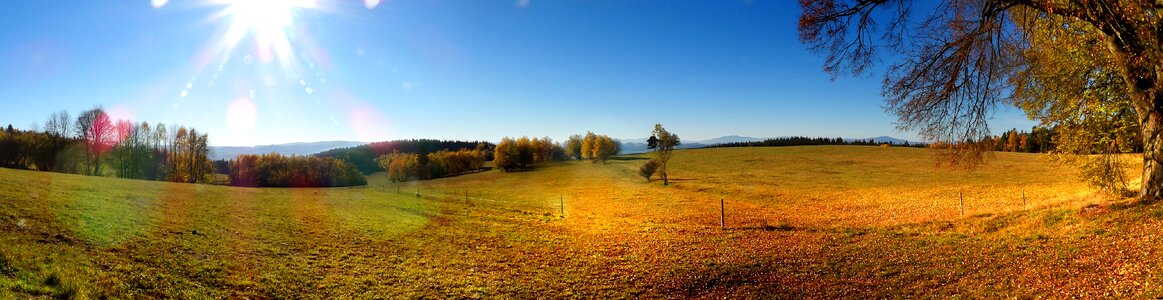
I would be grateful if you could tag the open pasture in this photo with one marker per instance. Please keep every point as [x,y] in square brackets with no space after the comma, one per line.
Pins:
[819,221]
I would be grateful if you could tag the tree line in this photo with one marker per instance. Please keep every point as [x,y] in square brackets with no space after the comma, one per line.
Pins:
[1048,140]
[522,153]
[814,141]
[365,158]
[94,144]
[509,155]
[592,146]
[276,170]
[1038,140]
[402,167]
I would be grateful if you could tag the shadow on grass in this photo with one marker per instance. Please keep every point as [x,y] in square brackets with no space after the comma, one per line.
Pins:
[776,227]
[1130,201]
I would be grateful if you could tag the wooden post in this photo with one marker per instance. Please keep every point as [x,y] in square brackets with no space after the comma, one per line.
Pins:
[561,201]
[722,215]
[1023,195]
[962,200]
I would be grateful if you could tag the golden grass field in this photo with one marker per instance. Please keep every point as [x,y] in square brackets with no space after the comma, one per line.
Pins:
[815,222]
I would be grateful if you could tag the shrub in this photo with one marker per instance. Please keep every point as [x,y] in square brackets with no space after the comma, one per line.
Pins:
[647,170]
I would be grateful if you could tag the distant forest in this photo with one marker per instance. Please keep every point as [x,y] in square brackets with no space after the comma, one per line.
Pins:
[94,144]
[810,141]
[276,170]
[1038,140]
[428,159]
[364,157]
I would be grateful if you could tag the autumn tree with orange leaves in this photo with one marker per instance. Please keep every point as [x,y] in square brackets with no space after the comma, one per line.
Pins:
[964,58]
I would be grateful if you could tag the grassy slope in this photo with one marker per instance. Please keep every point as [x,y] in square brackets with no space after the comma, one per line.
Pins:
[803,221]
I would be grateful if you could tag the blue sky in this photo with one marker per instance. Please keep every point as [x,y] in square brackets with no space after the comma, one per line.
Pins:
[475,70]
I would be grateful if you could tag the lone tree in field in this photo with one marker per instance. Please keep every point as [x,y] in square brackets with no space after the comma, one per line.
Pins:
[1070,63]
[663,143]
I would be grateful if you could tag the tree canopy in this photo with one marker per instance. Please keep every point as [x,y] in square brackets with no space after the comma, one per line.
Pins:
[1083,65]
[365,157]
[663,142]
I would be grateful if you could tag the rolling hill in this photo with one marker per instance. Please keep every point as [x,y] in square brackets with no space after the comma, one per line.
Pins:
[801,222]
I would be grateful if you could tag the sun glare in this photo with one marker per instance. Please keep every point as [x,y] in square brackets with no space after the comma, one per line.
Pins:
[267,22]
[261,15]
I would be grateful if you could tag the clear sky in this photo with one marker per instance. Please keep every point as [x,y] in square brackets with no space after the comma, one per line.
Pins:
[255,72]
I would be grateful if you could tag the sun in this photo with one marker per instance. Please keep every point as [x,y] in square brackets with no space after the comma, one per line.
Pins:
[267,22]
[261,16]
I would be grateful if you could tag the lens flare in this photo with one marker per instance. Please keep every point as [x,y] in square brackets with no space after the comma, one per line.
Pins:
[241,116]
[120,112]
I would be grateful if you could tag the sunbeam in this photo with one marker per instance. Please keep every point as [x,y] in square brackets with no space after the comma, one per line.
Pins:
[267,22]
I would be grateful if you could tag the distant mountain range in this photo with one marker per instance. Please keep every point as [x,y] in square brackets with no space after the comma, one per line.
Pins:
[230,152]
[729,139]
[630,146]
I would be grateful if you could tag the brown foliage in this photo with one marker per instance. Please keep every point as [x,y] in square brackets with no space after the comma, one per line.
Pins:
[276,170]
[523,153]
[958,59]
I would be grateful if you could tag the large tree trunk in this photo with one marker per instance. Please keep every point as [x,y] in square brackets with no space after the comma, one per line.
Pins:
[1152,125]
[1143,74]
[1142,69]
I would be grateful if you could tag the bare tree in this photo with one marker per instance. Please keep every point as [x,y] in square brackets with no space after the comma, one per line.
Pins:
[59,124]
[958,59]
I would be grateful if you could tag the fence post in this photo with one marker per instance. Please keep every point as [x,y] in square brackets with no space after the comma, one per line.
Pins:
[1023,196]
[722,215]
[561,202]
[961,199]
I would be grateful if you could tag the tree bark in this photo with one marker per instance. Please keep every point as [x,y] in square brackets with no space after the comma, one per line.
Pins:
[665,181]
[1141,70]
[1152,125]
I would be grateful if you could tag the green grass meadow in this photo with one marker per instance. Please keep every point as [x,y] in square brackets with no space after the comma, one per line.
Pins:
[815,222]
